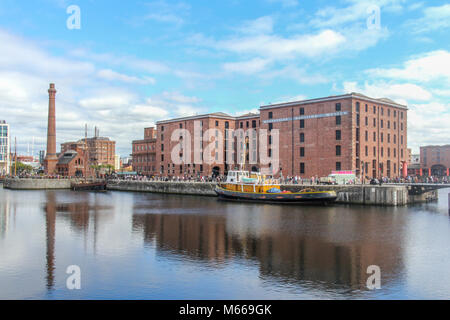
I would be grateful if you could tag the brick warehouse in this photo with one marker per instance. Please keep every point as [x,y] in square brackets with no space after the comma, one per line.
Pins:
[317,136]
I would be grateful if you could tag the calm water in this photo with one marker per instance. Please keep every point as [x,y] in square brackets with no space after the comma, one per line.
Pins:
[149,246]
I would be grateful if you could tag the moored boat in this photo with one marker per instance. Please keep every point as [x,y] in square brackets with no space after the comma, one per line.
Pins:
[242,186]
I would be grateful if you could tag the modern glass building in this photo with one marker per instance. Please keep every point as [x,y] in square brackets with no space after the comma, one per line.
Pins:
[4,148]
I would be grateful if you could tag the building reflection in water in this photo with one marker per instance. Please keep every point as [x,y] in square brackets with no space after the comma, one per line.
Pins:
[78,210]
[308,246]
[50,221]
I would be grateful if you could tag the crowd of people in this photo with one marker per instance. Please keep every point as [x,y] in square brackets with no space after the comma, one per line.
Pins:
[289,180]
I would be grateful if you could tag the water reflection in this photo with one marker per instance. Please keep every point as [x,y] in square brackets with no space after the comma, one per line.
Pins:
[50,220]
[312,249]
[290,244]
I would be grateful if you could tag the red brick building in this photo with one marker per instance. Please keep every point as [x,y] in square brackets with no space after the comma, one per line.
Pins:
[317,136]
[101,150]
[144,153]
[346,132]
[435,160]
[71,162]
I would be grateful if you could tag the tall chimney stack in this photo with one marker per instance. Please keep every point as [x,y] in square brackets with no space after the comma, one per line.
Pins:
[51,159]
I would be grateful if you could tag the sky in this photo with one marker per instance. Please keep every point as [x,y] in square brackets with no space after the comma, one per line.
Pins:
[124,65]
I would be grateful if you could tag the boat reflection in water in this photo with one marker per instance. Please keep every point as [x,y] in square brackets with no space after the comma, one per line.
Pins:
[151,246]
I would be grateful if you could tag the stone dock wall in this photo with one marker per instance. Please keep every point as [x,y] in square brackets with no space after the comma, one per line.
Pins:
[349,194]
[36,184]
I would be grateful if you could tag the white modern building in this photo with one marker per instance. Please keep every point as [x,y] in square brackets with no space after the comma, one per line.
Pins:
[4,148]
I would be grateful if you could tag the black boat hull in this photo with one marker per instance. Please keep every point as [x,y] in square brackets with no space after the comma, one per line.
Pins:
[288,198]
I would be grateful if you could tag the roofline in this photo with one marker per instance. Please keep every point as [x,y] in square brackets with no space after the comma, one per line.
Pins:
[331,98]
[144,140]
[202,116]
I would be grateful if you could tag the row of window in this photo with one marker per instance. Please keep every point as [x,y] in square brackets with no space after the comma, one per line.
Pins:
[374,138]
[144,147]
[381,123]
[381,109]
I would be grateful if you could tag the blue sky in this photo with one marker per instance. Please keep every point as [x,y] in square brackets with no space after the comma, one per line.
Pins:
[136,62]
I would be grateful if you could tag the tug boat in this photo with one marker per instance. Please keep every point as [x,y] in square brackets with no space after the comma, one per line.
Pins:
[254,187]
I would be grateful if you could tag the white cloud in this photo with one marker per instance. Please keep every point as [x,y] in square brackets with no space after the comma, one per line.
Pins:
[434,18]
[262,25]
[247,67]
[433,65]
[402,93]
[86,94]
[285,99]
[165,12]
[278,47]
[111,75]
[107,99]
[295,73]
[355,12]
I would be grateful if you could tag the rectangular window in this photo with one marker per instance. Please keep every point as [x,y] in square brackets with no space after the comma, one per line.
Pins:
[367,151]
[338,151]
[357,107]
[367,121]
[338,134]
[367,135]
[338,166]
[338,107]
[302,137]
[374,151]
[382,151]
[302,152]
[381,137]
[302,167]
[302,123]
[374,122]
[367,108]
[374,136]
[338,120]
[374,110]
[270,126]
[253,123]
[357,119]
[381,123]
[302,111]
[162,148]
[217,123]
[270,115]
